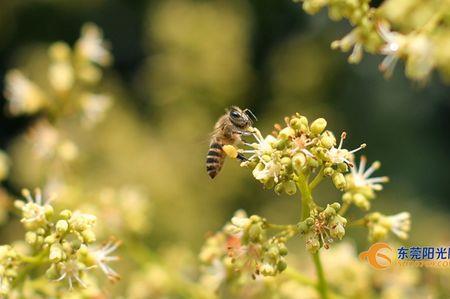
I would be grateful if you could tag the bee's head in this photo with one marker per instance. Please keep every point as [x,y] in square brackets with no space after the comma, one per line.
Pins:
[241,118]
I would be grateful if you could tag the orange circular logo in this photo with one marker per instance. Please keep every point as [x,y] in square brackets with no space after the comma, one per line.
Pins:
[378,256]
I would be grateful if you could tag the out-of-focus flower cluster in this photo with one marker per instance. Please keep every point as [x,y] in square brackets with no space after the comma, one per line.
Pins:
[421,39]
[380,225]
[61,243]
[73,77]
[243,250]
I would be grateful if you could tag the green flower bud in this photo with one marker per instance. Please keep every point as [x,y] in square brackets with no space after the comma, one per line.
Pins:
[295,123]
[378,233]
[273,251]
[281,144]
[266,158]
[303,128]
[39,241]
[65,214]
[312,243]
[281,265]
[327,139]
[255,218]
[309,221]
[328,171]
[267,270]
[337,231]
[361,201]
[329,211]
[312,162]
[337,225]
[342,167]
[282,249]
[50,239]
[286,133]
[303,228]
[347,197]
[303,120]
[286,161]
[269,183]
[30,238]
[62,226]
[48,211]
[336,206]
[255,233]
[290,188]
[318,126]
[339,181]
[88,235]
[278,188]
[299,161]
[56,253]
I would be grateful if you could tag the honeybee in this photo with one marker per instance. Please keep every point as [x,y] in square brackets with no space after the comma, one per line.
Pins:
[228,130]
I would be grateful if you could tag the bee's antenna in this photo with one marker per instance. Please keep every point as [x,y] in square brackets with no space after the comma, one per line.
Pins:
[250,114]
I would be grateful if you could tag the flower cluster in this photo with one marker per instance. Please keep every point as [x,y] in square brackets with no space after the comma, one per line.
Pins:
[290,153]
[360,189]
[243,246]
[422,40]
[380,225]
[321,228]
[62,243]
[9,264]
[298,157]
[73,77]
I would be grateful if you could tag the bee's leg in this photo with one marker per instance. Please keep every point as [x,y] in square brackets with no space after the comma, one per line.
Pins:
[241,157]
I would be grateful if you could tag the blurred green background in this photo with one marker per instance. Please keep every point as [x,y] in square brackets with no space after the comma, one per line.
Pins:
[179,64]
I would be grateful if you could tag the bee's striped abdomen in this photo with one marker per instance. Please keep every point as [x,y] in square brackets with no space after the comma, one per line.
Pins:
[214,159]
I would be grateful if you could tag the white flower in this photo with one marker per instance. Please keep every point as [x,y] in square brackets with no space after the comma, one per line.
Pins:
[35,210]
[45,139]
[394,47]
[360,177]
[24,96]
[72,270]
[261,150]
[91,45]
[400,224]
[102,257]
[269,170]
[339,155]
[350,40]
[239,223]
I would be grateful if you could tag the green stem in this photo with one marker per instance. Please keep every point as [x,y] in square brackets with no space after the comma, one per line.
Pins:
[307,204]
[319,177]
[307,201]
[31,262]
[344,208]
[359,222]
[322,286]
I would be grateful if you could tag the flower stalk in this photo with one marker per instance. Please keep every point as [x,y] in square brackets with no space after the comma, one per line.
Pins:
[306,202]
